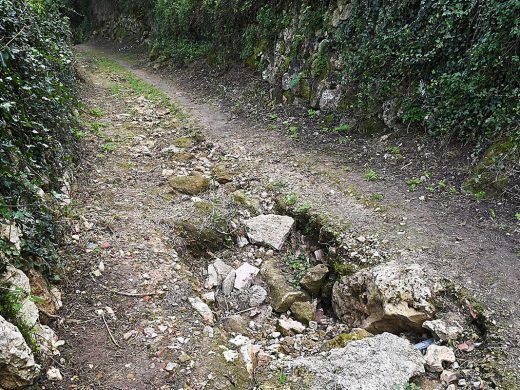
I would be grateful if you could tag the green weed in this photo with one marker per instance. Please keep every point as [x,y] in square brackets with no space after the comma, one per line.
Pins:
[371,175]
[291,199]
[414,183]
[312,113]
[293,131]
[97,112]
[299,264]
[282,377]
[343,128]
[304,208]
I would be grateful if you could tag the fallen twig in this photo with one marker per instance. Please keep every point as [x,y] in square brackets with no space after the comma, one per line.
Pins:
[240,312]
[125,294]
[109,332]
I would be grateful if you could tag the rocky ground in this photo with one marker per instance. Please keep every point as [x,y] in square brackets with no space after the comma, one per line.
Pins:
[203,257]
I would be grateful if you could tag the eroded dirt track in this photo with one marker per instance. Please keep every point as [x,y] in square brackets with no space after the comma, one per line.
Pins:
[483,259]
[132,325]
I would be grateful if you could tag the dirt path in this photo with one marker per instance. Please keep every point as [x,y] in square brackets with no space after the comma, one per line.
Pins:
[482,258]
[128,320]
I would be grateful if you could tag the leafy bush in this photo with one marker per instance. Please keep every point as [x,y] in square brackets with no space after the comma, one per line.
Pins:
[454,65]
[36,142]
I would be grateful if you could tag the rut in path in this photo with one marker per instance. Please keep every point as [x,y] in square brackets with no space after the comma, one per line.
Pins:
[121,337]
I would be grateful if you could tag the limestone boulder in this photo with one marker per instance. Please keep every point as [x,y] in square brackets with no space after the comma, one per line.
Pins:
[314,278]
[382,362]
[436,355]
[282,294]
[18,368]
[390,297]
[444,330]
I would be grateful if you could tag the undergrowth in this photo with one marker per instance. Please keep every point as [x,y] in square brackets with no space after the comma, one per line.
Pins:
[37,143]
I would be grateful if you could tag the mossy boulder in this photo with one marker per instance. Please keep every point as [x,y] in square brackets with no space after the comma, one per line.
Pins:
[490,184]
[200,238]
[183,156]
[341,340]
[183,142]
[222,174]
[304,311]
[189,185]
[488,178]
[283,295]
[305,89]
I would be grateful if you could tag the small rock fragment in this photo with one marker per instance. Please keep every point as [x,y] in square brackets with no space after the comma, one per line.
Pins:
[289,327]
[239,340]
[212,279]
[54,374]
[244,275]
[222,174]
[209,297]
[222,269]
[436,355]
[258,296]
[242,242]
[203,309]
[228,283]
[171,366]
[184,357]
[230,356]
[320,255]
[236,324]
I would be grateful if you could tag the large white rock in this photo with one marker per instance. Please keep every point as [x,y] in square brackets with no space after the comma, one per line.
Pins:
[383,362]
[17,366]
[390,297]
[269,230]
